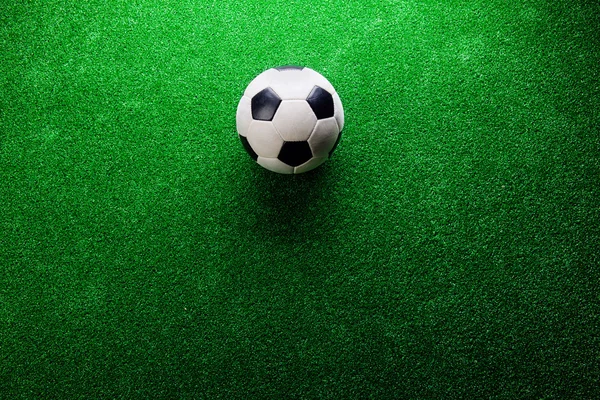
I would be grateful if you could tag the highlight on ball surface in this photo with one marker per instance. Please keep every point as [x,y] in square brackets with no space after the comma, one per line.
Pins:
[290,119]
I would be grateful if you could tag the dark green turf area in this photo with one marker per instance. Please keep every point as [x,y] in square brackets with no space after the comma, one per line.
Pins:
[449,249]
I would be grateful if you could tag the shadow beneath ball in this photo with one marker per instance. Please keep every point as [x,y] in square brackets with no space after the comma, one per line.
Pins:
[293,206]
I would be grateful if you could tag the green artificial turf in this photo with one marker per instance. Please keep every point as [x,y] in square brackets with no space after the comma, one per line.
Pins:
[449,249]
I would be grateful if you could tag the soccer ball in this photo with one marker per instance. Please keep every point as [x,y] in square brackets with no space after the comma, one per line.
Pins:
[290,119]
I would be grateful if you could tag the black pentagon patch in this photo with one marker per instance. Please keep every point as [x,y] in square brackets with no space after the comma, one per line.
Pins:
[295,153]
[288,67]
[248,148]
[337,141]
[264,105]
[321,102]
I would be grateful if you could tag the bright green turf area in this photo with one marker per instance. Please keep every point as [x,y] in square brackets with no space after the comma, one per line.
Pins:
[450,248]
